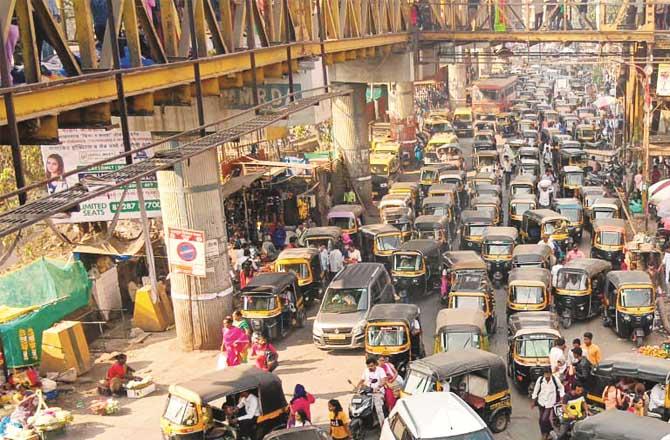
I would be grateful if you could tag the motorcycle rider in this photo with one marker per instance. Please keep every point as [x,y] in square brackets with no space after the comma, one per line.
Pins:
[374,377]
[575,408]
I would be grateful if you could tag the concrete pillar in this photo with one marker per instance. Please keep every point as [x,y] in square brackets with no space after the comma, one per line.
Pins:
[190,197]
[350,140]
[457,84]
[402,115]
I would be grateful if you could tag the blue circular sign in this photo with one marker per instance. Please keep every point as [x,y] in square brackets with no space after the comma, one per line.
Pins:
[186,251]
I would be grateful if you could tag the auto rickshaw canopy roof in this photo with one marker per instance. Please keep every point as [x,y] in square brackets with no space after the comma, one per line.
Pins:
[531,252]
[543,215]
[592,189]
[622,277]
[453,174]
[524,198]
[535,322]
[472,284]
[437,168]
[609,224]
[528,150]
[398,214]
[591,266]
[463,260]
[523,179]
[352,210]
[485,200]
[270,282]
[395,200]
[297,253]
[442,187]
[457,318]
[620,425]
[219,384]
[606,202]
[568,202]
[488,187]
[394,312]
[425,247]
[332,232]
[572,152]
[431,220]
[636,366]
[573,169]
[436,201]
[532,274]
[470,216]
[484,175]
[405,186]
[456,363]
[501,233]
[379,228]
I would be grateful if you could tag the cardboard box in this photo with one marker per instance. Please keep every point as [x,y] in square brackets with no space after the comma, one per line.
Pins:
[138,393]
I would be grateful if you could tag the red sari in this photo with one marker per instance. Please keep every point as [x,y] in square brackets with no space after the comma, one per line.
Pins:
[235,340]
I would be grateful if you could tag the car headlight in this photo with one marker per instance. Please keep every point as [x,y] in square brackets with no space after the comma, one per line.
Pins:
[359,328]
[317,330]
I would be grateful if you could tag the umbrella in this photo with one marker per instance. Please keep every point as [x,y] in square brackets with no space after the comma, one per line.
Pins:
[659,191]
[604,101]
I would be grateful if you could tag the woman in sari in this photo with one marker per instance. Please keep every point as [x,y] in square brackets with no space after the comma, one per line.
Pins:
[235,342]
[393,381]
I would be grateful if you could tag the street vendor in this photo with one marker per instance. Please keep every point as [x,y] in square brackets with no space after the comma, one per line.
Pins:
[118,375]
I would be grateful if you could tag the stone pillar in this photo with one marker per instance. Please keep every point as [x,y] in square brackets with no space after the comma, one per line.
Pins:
[403,116]
[350,140]
[457,84]
[190,197]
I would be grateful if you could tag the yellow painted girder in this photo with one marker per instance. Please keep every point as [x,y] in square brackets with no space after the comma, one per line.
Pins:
[572,36]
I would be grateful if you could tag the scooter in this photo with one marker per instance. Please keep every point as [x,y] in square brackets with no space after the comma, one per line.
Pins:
[362,414]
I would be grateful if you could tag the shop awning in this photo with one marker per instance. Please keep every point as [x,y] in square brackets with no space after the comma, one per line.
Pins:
[113,247]
[234,184]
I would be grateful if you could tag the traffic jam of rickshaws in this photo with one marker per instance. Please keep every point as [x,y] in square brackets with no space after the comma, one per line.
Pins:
[489,269]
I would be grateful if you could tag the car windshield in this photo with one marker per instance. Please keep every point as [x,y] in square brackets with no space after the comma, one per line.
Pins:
[345,300]
[459,340]
[386,336]
[638,297]
[603,213]
[535,346]
[379,169]
[571,214]
[520,190]
[571,280]
[520,208]
[527,295]
[417,383]
[388,242]
[574,179]
[258,302]
[609,238]
[428,175]
[407,262]
[300,270]
[180,411]
[476,230]
[498,249]
[467,302]
[342,222]
[438,127]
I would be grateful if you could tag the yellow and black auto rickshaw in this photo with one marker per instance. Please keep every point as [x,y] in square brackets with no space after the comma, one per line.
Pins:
[473,224]
[430,175]
[572,179]
[522,185]
[390,331]
[580,287]
[571,209]
[529,289]
[540,223]
[517,206]
[605,207]
[630,303]
[433,227]
[456,178]
[348,218]
[497,248]
[441,206]
[588,195]
[416,268]
[395,201]
[608,240]
[330,236]
[532,255]
[412,189]
[473,291]
[477,376]
[378,241]
[401,218]
[273,304]
[304,263]
[617,425]
[459,264]
[384,169]
[456,329]
[531,337]
[196,409]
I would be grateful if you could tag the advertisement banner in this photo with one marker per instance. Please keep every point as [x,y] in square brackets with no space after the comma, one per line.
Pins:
[663,80]
[79,148]
[186,251]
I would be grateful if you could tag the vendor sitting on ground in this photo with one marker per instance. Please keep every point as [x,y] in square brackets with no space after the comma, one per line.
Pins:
[118,375]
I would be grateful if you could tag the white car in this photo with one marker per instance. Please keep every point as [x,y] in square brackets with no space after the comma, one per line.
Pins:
[434,416]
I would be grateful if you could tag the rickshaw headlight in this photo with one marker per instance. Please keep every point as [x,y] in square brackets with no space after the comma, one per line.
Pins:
[383,185]
[415,281]
[650,317]
[489,265]
[626,317]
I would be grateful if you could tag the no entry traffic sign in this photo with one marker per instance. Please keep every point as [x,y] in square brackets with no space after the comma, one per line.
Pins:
[186,251]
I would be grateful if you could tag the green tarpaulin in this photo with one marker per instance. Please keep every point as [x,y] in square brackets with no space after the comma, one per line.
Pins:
[373,94]
[55,289]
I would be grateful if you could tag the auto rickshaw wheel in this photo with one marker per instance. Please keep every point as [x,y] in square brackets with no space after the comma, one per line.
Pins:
[499,422]
[300,319]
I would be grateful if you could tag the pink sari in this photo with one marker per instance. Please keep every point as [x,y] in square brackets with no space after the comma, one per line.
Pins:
[236,341]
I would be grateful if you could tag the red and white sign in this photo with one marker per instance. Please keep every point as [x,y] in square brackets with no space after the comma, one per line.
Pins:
[186,251]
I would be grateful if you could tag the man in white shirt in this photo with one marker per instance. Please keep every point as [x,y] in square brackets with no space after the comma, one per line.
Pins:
[556,354]
[548,391]
[657,399]
[374,377]
[354,254]
[336,261]
[252,410]
[554,272]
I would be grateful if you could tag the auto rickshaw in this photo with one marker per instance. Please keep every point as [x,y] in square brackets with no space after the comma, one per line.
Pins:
[477,376]
[572,179]
[588,195]
[487,161]
[438,122]
[629,304]
[273,304]
[195,408]
[416,267]
[580,286]
[605,207]
[573,157]
[497,247]
[457,179]
[617,425]
[571,209]
[430,174]
[412,189]
[532,335]
[482,177]
[515,145]
[649,370]
[529,167]
[472,290]
[608,239]
[378,241]
[395,201]
[522,185]
[586,133]
[442,206]
[433,227]
[386,146]
[529,153]
[459,264]
[390,331]
[349,218]
[517,206]
[489,205]
[401,218]
[331,236]
[486,190]
[529,289]
[532,255]
[539,223]
[304,263]
[449,155]
[460,328]
[444,190]
[384,169]
[473,224]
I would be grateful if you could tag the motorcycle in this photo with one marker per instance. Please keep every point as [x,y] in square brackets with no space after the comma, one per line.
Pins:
[362,414]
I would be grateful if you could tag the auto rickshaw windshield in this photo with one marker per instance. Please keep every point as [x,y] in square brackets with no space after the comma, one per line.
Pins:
[388,242]
[574,178]
[315,242]
[636,297]
[553,226]
[180,411]
[458,340]
[498,248]
[342,222]
[467,302]
[428,174]
[439,127]
[345,300]
[407,262]
[386,335]
[255,303]
[572,214]
[534,346]
[436,210]
[586,132]
[476,230]
[603,213]
[491,210]
[609,238]
[428,234]
[417,383]
[519,190]
[379,169]
[520,208]
[301,270]
[527,295]
[571,280]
